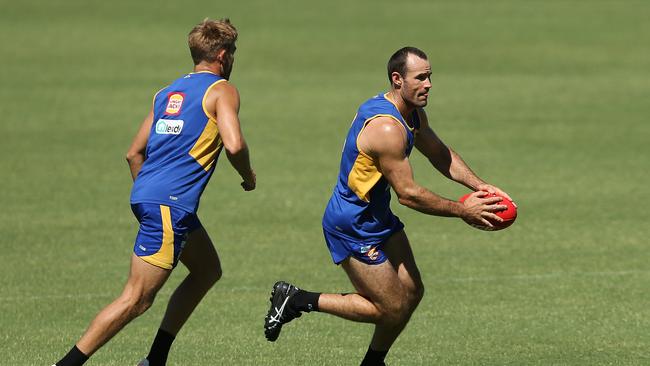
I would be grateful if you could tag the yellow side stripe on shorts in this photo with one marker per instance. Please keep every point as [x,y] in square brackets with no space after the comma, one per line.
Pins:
[164,257]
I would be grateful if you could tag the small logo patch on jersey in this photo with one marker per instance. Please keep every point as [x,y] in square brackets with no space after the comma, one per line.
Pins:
[169,126]
[175,102]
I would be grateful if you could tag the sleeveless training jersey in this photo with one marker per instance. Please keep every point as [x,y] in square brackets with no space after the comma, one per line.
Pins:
[360,205]
[183,145]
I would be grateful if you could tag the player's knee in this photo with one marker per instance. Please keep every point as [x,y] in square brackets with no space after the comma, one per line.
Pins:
[143,304]
[137,303]
[214,275]
[207,276]
[415,296]
[395,313]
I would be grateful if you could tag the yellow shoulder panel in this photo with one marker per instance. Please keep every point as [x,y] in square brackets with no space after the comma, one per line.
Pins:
[363,176]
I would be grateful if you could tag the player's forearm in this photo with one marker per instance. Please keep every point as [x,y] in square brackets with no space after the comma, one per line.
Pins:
[425,201]
[452,166]
[240,160]
[460,172]
[135,163]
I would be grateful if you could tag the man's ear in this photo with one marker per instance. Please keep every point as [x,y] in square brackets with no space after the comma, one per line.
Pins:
[221,54]
[397,80]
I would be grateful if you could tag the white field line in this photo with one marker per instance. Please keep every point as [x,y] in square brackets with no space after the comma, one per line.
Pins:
[541,276]
[107,295]
[521,277]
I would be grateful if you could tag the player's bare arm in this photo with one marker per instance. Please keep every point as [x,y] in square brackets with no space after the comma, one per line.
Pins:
[136,154]
[442,157]
[385,141]
[226,106]
[447,161]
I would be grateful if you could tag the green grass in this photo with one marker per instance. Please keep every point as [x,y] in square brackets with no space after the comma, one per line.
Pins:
[547,99]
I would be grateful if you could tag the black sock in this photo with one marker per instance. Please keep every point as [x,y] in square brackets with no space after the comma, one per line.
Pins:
[374,358]
[305,301]
[74,358]
[160,348]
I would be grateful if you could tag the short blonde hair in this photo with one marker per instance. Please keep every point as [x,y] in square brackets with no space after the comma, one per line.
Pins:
[210,36]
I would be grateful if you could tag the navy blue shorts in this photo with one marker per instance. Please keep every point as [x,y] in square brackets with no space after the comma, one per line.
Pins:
[369,252]
[163,232]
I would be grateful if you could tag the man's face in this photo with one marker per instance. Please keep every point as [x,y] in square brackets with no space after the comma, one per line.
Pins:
[416,83]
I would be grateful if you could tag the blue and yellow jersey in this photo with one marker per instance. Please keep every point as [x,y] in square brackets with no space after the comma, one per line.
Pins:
[359,208]
[183,145]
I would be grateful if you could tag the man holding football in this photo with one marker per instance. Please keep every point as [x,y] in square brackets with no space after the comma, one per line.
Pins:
[361,232]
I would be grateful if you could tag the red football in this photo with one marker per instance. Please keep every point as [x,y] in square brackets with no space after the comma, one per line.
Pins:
[508,215]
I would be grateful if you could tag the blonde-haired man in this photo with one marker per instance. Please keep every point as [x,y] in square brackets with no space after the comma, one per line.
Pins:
[171,159]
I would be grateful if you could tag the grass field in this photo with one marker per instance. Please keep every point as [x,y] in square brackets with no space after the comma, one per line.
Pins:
[546,99]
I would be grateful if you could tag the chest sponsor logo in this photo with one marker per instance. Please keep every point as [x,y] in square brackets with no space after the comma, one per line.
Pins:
[174,103]
[169,126]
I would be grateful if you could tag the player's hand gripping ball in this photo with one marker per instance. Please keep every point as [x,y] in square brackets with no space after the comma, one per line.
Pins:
[508,215]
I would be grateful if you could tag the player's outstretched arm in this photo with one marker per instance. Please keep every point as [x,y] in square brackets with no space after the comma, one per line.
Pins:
[227,112]
[385,141]
[136,154]
[447,161]
[442,157]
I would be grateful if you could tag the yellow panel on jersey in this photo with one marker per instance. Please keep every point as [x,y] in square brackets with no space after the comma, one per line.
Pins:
[207,146]
[363,176]
[209,143]
[164,258]
[364,173]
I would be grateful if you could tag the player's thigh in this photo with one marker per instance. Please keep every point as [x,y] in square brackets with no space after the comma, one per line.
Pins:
[400,256]
[377,282]
[199,254]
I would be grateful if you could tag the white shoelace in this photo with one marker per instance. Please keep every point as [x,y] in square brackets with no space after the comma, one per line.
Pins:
[278,312]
